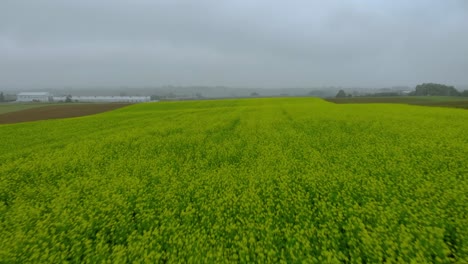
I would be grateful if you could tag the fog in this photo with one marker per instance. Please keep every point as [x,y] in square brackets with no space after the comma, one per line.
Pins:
[242,43]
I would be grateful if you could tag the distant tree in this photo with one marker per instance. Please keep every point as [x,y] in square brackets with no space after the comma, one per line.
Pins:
[2,97]
[426,89]
[341,94]
[154,97]
[465,93]
[68,99]
[199,95]
[254,94]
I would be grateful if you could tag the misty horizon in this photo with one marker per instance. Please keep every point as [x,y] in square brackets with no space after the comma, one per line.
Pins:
[261,44]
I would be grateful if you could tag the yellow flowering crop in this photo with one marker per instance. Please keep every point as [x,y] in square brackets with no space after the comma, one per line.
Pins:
[283,180]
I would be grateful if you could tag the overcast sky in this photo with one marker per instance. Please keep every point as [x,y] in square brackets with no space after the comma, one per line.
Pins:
[245,43]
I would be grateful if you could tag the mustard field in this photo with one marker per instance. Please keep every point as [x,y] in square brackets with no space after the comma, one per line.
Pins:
[254,180]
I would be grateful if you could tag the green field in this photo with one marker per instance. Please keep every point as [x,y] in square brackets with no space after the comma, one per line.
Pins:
[252,180]
[13,107]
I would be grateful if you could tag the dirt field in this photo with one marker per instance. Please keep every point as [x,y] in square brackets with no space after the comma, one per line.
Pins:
[57,111]
[13,107]
[454,102]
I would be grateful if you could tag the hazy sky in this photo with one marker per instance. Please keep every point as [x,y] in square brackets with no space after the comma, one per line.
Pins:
[264,43]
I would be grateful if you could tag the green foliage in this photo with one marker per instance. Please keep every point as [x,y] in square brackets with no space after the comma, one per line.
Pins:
[2,97]
[435,89]
[340,94]
[464,93]
[255,180]
[68,99]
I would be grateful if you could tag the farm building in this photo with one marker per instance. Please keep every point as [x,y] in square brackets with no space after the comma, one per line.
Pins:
[111,99]
[34,97]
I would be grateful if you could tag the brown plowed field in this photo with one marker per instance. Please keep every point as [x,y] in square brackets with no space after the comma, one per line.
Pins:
[57,111]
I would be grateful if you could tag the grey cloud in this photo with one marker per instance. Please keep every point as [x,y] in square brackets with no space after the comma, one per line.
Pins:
[237,43]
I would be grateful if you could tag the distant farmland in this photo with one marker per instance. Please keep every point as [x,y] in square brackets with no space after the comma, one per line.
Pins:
[251,180]
[13,107]
[17,113]
[435,101]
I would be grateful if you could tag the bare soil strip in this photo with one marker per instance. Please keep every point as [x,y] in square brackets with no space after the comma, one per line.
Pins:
[406,100]
[57,111]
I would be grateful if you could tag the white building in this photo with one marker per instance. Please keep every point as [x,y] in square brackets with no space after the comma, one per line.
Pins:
[111,99]
[47,97]
[34,97]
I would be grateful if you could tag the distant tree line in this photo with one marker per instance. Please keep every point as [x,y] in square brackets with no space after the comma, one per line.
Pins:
[425,89]
[342,94]
[155,97]
[436,89]
[6,97]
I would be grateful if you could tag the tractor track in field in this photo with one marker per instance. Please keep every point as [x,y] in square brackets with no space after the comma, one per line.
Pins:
[57,112]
